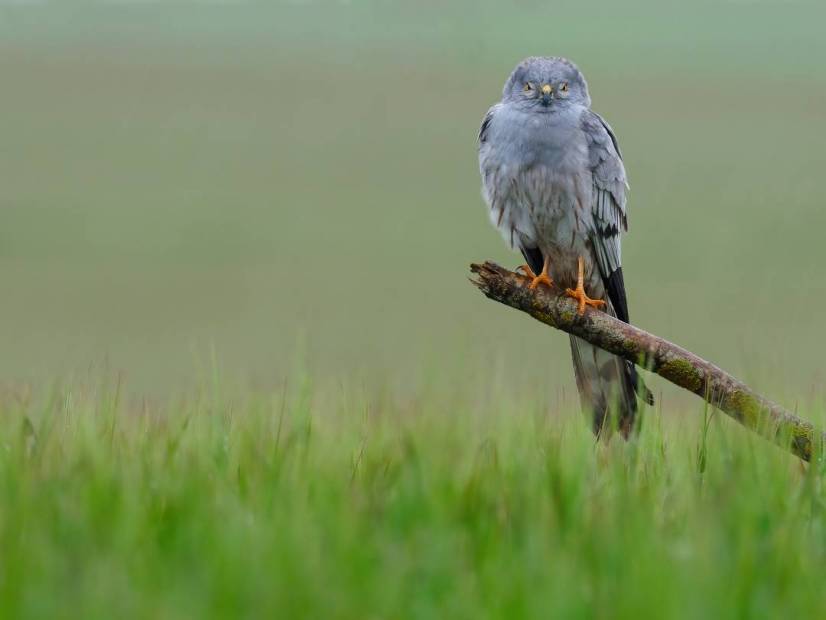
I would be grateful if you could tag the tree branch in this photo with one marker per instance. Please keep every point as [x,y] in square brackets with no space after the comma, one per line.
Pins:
[734,398]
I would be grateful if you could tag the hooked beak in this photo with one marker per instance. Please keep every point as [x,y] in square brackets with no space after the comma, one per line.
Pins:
[547,94]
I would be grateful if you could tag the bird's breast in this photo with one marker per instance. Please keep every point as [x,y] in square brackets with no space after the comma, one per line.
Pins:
[537,180]
[555,202]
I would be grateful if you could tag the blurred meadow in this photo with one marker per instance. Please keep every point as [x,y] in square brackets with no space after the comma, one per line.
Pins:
[204,202]
[266,181]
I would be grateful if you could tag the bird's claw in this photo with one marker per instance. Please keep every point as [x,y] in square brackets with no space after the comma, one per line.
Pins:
[583,299]
[536,280]
[540,279]
[579,292]
[526,271]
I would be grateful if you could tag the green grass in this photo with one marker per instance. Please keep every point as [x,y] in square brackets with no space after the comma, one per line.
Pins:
[347,504]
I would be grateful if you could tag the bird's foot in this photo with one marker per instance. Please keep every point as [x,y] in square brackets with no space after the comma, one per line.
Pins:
[579,292]
[583,299]
[526,271]
[536,280]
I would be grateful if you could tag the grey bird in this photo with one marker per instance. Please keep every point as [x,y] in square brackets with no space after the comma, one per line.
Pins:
[554,180]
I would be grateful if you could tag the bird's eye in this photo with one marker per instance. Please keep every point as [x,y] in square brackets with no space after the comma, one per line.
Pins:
[528,86]
[564,87]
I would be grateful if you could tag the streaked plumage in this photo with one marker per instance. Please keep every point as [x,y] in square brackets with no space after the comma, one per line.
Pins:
[553,177]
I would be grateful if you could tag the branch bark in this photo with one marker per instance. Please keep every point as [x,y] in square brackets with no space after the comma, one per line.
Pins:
[675,364]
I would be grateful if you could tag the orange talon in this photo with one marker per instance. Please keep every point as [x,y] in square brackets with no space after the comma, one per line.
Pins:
[536,280]
[579,293]
[526,271]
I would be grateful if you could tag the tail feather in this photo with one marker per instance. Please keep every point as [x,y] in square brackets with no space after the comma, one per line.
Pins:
[607,388]
[608,385]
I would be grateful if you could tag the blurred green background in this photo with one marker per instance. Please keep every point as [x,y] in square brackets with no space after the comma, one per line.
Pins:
[253,184]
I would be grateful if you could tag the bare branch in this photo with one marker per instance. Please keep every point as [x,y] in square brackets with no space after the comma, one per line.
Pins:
[680,367]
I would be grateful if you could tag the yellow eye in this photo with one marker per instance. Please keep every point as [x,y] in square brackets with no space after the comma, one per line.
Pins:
[564,87]
[528,86]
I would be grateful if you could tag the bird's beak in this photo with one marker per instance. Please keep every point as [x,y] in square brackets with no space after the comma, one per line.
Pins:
[547,94]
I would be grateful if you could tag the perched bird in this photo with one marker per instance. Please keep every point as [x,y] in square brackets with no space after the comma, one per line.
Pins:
[553,177]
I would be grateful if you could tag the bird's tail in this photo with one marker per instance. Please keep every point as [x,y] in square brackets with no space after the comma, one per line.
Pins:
[608,388]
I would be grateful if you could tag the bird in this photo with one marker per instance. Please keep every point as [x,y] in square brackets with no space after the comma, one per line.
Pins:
[554,181]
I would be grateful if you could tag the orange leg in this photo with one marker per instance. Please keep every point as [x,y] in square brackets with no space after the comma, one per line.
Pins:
[536,280]
[579,293]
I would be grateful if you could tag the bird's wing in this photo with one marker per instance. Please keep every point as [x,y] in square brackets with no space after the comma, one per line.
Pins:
[483,130]
[610,220]
[608,206]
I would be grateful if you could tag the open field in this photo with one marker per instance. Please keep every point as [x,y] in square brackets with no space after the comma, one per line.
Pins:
[343,505]
[242,372]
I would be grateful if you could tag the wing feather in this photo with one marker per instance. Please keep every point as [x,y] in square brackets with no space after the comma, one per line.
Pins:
[610,218]
[483,130]
[608,207]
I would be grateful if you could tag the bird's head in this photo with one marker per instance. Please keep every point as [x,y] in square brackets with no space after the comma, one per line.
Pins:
[545,84]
